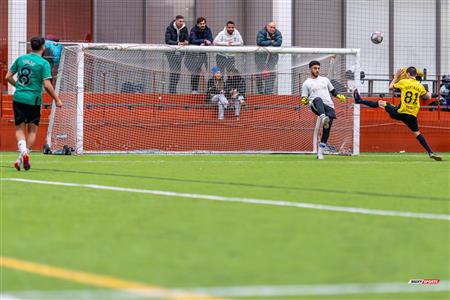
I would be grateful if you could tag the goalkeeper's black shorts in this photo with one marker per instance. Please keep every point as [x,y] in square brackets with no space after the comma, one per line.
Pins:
[409,120]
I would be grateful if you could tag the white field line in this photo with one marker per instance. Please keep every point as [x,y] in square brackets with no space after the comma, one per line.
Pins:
[246,291]
[346,209]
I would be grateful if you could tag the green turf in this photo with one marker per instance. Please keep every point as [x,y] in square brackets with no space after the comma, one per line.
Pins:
[179,242]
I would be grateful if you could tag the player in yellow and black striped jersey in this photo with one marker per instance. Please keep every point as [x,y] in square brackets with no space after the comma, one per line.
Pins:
[411,93]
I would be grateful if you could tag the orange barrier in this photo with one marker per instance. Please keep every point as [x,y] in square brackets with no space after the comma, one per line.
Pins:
[379,133]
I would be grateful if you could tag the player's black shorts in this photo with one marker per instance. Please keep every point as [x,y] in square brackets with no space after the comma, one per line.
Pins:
[329,111]
[409,120]
[24,113]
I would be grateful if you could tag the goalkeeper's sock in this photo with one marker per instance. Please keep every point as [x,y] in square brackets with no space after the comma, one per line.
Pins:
[424,143]
[22,145]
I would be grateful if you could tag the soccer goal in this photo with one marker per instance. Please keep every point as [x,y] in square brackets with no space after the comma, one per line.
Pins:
[134,98]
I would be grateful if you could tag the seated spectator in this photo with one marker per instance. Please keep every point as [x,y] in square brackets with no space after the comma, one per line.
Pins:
[445,90]
[229,36]
[235,88]
[216,91]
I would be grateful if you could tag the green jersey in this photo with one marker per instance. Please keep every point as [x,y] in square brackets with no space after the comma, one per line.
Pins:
[31,71]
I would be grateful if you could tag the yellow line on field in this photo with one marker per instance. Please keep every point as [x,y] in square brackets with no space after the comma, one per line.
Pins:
[99,280]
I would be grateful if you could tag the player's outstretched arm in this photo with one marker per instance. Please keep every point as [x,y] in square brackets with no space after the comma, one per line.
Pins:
[49,88]
[10,78]
[396,78]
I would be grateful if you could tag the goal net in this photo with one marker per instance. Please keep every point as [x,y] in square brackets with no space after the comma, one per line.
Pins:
[126,98]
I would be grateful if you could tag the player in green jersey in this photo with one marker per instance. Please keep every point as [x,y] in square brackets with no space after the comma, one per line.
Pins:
[33,73]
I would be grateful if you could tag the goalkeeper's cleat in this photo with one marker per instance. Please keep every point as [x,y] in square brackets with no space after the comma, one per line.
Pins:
[357,96]
[26,161]
[17,164]
[326,122]
[435,157]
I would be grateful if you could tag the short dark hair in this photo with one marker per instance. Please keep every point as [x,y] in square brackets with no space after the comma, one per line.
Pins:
[412,71]
[230,22]
[37,42]
[179,17]
[201,19]
[314,63]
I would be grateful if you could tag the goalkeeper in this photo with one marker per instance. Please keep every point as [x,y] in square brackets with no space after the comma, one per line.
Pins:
[316,92]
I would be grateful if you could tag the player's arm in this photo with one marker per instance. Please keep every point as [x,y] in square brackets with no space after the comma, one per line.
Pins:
[397,77]
[10,78]
[49,88]
[333,92]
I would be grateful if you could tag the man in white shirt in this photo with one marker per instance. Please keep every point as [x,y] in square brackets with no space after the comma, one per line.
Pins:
[229,36]
[316,92]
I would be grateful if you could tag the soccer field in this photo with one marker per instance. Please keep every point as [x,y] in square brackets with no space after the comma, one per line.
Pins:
[225,227]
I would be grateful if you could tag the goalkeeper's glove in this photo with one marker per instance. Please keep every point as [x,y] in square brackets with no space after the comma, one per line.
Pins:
[341,97]
[304,100]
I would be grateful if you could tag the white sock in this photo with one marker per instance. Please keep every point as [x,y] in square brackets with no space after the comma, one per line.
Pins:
[22,144]
[322,116]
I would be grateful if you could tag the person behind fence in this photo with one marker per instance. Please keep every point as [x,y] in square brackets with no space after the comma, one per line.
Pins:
[200,35]
[176,34]
[229,36]
[235,87]
[216,91]
[52,53]
[445,91]
[266,62]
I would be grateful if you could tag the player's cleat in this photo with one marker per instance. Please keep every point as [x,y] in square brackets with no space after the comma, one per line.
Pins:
[435,157]
[326,122]
[17,164]
[26,161]
[356,96]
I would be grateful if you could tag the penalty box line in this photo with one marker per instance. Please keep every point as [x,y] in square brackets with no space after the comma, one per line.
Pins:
[323,207]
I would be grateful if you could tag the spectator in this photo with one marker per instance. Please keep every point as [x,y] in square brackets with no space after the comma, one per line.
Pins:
[200,35]
[229,36]
[236,87]
[216,91]
[266,62]
[445,91]
[176,34]
[52,54]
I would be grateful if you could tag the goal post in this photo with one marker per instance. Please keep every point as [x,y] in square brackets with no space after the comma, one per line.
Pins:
[135,98]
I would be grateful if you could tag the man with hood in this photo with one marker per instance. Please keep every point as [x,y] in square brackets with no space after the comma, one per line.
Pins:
[177,34]
[229,36]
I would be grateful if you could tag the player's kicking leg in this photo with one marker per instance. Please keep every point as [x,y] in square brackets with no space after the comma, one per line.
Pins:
[409,120]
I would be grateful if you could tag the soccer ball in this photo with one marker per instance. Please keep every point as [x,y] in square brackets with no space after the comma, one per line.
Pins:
[376,37]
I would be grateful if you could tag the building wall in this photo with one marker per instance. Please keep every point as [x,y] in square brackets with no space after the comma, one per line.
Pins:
[318,23]
[118,21]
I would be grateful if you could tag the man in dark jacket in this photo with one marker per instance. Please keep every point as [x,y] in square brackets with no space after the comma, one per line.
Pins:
[200,35]
[235,87]
[176,34]
[266,63]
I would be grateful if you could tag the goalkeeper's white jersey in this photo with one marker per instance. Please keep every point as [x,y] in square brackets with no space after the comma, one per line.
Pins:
[318,87]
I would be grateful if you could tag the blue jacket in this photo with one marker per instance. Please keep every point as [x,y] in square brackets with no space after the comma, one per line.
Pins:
[263,38]
[55,50]
[198,37]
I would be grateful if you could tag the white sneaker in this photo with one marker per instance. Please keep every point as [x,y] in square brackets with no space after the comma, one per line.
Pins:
[320,155]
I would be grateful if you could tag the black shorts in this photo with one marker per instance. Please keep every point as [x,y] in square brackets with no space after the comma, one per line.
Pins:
[329,111]
[409,120]
[24,113]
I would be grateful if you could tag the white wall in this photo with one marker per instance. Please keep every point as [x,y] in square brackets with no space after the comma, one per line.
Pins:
[415,34]
[361,22]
